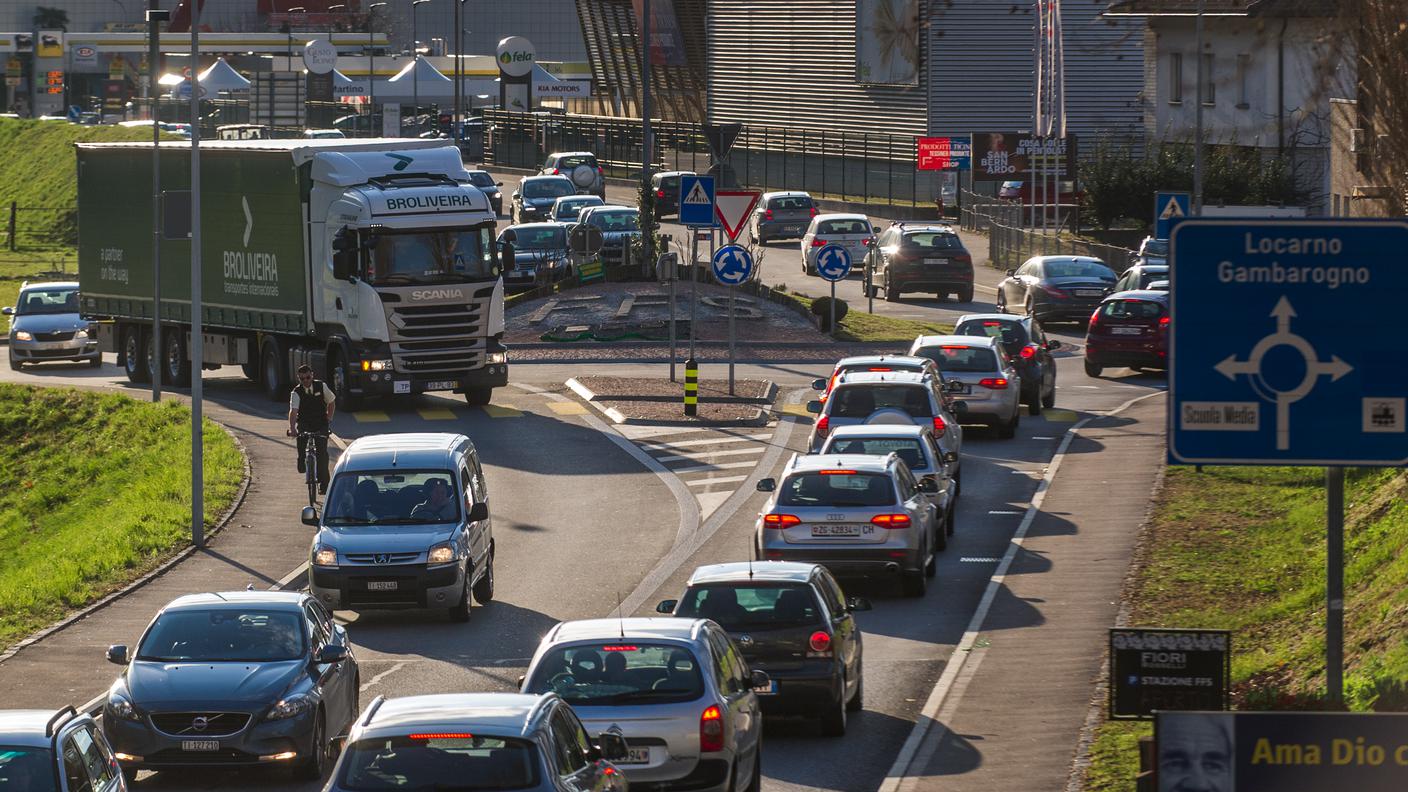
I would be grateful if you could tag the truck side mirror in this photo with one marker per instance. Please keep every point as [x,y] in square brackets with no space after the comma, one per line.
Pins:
[344,254]
[506,255]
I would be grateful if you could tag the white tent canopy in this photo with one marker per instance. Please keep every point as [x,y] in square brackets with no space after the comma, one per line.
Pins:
[418,78]
[222,77]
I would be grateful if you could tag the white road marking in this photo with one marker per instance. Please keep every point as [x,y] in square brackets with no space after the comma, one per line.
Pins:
[639,431]
[383,675]
[704,482]
[1042,437]
[707,468]
[700,456]
[1003,511]
[529,388]
[662,445]
[979,560]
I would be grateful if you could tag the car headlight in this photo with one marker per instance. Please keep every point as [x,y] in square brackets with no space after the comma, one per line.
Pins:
[498,357]
[80,334]
[324,556]
[291,706]
[23,335]
[440,554]
[120,706]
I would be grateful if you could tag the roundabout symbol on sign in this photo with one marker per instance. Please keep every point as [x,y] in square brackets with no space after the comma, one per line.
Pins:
[732,265]
[833,262]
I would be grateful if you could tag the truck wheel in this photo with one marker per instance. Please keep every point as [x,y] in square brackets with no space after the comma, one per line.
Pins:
[175,368]
[478,397]
[276,387]
[133,354]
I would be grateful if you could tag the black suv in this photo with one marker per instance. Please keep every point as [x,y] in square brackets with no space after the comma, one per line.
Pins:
[910,258]
[792,621]
[1029,349]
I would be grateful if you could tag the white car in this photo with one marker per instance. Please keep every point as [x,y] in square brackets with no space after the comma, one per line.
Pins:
[851,231]
[990,386]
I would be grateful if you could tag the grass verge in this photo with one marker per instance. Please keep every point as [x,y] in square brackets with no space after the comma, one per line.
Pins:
[1243,549]
[94,492]
[874,328]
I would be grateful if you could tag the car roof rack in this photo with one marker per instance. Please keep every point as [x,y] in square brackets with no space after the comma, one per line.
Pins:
[60,718]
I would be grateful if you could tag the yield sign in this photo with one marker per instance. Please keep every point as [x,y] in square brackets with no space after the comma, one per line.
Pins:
[733,208]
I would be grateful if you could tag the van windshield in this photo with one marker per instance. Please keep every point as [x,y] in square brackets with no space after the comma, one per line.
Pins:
[407,497]
[442,255]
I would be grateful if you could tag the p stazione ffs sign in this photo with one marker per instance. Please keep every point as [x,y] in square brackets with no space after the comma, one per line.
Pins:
[1155,669]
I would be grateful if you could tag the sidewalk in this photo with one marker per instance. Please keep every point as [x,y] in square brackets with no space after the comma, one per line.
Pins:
[1014,714]
[262,542]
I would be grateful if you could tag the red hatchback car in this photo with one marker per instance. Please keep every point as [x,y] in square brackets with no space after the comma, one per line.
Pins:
[1129,328]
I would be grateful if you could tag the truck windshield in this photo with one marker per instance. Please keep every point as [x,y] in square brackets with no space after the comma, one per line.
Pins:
[450,255]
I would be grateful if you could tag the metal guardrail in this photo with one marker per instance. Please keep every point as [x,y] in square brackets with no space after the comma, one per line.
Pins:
[1010,242]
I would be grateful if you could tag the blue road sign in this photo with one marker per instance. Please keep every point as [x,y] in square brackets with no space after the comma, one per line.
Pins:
[732,265]
[1278,354]
[1169,209]
[697,201]
[833,262]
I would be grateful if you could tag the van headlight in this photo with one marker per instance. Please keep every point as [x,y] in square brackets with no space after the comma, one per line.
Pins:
[440,554]
[23,335]
[324,556]
[80,334]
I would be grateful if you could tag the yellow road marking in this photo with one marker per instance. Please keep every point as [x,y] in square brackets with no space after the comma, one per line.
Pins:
[567,408]
[1065,416]
[371,416]
[796,409]
[503,411]
[436,414]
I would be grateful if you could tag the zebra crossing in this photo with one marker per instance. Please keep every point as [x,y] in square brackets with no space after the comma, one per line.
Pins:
[712,462]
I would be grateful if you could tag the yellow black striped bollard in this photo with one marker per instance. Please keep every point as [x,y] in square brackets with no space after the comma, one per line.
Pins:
[691,387]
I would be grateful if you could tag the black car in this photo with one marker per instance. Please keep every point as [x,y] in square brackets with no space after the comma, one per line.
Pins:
[910,258]
[486,184]
[533,199]
[540,254]
[667,191]
[1026,343]
[1140,276]
[1056,288]
[234,679]
[792,621]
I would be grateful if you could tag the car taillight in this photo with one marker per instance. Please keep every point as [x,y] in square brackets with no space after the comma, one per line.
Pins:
[818,242]
[1163,322]
[556,172]
[890,520]
[767,214]
[964,258]
[939,426]
[599,171]
[781,521]
[1094,319]
[659,193]
[820,641]
[1056,294]
[823,425]
[1028,352]
[711,730]
[996,383]
[812,211]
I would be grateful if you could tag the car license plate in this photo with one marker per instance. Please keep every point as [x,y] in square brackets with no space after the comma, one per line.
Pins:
[200,745]
[636,756]
[442,385]
[404,386]
[936,261]
[1127,330]
[1089,293]
[838,530]
[381,585]
[770,689]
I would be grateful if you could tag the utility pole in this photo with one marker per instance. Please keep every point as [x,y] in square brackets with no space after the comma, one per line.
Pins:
[455,126]
[371,70]
[415,63]
[1198,116]
[647,155]
[197,344]
[155,16]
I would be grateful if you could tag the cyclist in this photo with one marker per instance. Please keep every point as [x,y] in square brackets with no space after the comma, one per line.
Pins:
[310,409]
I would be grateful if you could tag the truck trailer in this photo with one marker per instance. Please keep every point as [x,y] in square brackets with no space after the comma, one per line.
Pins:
[372,260]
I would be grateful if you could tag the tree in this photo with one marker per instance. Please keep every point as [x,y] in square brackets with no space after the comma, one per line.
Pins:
[46,18]
[1380,44]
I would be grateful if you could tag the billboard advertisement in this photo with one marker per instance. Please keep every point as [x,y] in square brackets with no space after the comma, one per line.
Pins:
[944,153]
[666,40]
[1166,669]
[1011,155]
[887,42]
[1280,751]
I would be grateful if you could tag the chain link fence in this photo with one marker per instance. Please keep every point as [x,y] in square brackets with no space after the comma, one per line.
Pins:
[1010,242]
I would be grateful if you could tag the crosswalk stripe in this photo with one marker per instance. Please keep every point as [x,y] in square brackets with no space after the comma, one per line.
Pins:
[567,408]
[710,454]
[437,414]
[639,431]
[706,468]
[662,445]
[503,411]
[371,416]
[704,482]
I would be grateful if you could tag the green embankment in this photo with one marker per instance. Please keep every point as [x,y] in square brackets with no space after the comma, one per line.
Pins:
[37,172]
[1243,549]
[857,325]
[94,491]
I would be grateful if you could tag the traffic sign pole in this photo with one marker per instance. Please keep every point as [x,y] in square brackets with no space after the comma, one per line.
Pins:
[833,309]
[730,343]
[1334,584]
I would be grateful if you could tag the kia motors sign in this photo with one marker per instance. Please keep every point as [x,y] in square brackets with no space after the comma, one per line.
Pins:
[944,153]
[516,56]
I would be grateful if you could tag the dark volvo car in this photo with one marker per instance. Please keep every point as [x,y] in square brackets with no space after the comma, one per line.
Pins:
[791,621]
[232,679]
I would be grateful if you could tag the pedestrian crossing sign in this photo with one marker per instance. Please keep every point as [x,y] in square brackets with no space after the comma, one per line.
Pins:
[697,201]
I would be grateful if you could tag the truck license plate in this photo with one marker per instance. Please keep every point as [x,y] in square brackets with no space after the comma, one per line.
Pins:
[381,585]
[403,386]
[200,745]
[442,385]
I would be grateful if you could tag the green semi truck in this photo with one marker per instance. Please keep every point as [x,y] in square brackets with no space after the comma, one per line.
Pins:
[371,260]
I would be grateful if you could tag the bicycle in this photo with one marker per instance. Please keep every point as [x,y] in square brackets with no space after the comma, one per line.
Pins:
[310,463]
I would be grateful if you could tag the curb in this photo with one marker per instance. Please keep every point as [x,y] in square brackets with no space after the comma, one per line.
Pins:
[160,570]
[615,416]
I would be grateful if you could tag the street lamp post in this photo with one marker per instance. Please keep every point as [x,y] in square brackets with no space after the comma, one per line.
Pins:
[415,63]
[155,16]
[648,242]
[455,125]
[197,342]
[371,68]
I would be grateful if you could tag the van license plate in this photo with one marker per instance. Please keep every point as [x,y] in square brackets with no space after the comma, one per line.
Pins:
[381,585]
[636,756]
[442,385]
[200,745]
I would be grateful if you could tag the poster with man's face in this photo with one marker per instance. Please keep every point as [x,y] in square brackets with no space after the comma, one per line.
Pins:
[1195,752]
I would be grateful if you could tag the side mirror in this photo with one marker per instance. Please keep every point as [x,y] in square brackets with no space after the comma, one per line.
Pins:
[928,486]
[951,456]
[759,679]
[858,604]
[506,255]
[479,512]
[814,407]
[331,653]
[498,184]
[1053,344]
[521,678]
[7,311]
[767,485]
[1011,273]
[309,516]
[666,607]
[515,194]
[117,655]
[819,384]
[612,746]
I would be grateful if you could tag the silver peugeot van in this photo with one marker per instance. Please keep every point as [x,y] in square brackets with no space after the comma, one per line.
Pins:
[406,525]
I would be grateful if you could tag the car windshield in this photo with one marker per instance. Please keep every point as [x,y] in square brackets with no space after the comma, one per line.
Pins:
[403,258]
[439,761]
[791,202]
[1010,331]
[540,238]
[955,357]
[839,488]
[619,220]
[1131,309]
[859,401]
[223,635]
[47,301]
[568,210]
[908,448]
[745,606]
[547,188]
[1156,247]
[933,240]
[26,769]
[481,179]
[1152,274]
[382,497]
[843,227]
[618,672]
[1075,268]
